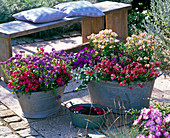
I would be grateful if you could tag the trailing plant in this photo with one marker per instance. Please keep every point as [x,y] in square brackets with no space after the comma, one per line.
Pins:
[158,24]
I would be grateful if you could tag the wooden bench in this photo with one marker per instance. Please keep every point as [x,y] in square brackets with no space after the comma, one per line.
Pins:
[116,16]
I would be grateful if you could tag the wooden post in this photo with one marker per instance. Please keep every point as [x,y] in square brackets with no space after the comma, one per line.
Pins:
[5,53]
[92,25]
[118,22]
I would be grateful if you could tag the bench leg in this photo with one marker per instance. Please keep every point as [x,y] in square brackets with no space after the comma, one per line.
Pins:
[5,53]
[118,22]
[92,25]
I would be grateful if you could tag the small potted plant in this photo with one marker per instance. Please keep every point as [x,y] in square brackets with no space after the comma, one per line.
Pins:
[38,80]
[118,75]
[89,116]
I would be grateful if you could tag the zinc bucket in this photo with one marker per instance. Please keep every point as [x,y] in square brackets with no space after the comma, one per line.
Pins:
[40,104]
[88,121]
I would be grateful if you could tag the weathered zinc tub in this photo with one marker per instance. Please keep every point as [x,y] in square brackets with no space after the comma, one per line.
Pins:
[119,98]
[88,121]
[40,104]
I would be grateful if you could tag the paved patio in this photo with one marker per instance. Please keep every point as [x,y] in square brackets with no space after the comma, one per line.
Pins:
[13,125]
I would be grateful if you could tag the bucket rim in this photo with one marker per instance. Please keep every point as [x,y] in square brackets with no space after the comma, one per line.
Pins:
[107,110]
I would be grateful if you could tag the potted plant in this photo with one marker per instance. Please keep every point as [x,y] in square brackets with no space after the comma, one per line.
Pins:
[89,116]
[38,80]
[118,75]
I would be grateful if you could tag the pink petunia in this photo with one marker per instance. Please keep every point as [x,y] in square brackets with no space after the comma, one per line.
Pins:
[149,123]
[166,134]
[140,136]
[152,128]
[151,136]
[158,120]
[158,133]
[167,119]
[155,113]
[137,121]
[145,111]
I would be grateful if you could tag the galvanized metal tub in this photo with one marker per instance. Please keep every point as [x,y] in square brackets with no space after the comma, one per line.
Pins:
[119,98]
[40,104]
[89,121]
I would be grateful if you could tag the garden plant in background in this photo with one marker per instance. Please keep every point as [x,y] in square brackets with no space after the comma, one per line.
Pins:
[38,80]
[157,24]
[153,121]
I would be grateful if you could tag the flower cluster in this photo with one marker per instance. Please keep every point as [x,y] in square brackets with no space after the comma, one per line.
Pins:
[111,60]
[87,110]
[108,70]
[104,38]
[152,123]
[84,57]
[141,46]
[105,41]
[39,71]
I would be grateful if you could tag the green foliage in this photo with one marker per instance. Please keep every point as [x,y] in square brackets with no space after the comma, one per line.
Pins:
[163,108]
[122,133]
[158,24]
[135,21]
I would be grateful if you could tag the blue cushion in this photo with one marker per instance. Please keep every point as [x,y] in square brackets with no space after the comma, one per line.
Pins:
[79,8]
[40,15]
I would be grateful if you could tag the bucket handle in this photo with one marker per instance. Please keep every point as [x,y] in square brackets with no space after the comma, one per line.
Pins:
[68,103]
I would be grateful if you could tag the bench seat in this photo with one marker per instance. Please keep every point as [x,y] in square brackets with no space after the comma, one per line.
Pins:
[116,16]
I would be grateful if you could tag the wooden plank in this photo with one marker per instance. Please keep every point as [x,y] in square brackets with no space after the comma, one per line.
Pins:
[118,22]
[21,28]
[108,7]
[92,25]
[78,48]
[5,53]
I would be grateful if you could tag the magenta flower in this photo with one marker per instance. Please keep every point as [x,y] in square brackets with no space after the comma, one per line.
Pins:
[137,121]
[158,133]
[155,113]
[145,111]
[159,128]
[149,123]
[145,117]
[140,117]
[150,107]
[152,128]
[151,136]
[140,136]
[167,119]
[158,120]
[166,134]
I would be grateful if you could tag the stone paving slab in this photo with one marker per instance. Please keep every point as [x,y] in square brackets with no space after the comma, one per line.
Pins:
[58,127]
[48,45]
[4,130]
[12,119]
[10,136]
[27,132]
